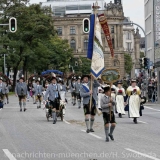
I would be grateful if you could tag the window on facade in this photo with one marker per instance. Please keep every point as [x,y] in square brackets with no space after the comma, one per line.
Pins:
[72,30]
[85,44]
[128,46]
[128,35]
[112,29]
[113,43]
[73,44]
[59,31]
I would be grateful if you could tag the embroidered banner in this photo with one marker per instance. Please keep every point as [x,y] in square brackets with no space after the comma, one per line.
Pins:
[105,27]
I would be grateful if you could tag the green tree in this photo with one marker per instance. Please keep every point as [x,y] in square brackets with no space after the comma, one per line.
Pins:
[128,63]
[35,46]
[141,54]
[85,66]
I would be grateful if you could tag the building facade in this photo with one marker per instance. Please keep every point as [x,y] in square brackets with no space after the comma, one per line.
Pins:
[149,28]
[68,22]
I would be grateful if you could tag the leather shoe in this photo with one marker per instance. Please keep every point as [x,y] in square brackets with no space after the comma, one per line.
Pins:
[107,139]
[91,130]
[25,109]
[54,122]
[87,130]
[111,137]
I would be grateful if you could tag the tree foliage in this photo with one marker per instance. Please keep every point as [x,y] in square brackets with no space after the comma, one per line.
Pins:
[35,46]
[128,63]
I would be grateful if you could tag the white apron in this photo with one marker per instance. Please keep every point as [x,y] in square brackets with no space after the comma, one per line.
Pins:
[134,106]
[120,104]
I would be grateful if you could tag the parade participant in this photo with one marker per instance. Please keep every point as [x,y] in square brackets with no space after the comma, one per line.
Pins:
[86,93]
[54,98]
[28,90]
[38,93]
[133,96]
[33,91]
[6,93]
[107,104]
[73,89]
[78,85]
[62,93]
[100,94]
[2,92]
[120,95]
[21,92]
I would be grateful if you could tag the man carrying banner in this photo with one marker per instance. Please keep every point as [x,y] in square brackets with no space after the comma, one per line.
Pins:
[88,89]
[86,93]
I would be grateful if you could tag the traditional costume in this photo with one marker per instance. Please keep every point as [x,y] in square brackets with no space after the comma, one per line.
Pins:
[77,86]
[133,96]
[54,98]
[85,93]
[72,87]
[120,95]
[107,105]
[21,91]
[38,93]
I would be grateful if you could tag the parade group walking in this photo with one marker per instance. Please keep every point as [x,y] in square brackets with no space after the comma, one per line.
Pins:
[94,95]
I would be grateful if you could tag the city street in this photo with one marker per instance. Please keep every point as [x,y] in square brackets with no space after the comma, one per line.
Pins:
[29,136]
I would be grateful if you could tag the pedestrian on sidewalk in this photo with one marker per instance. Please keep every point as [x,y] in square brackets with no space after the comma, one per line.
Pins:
[21,92]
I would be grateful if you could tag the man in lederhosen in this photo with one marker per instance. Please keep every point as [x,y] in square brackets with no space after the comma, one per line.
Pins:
[21,92]
[107,105]
[72,86]
[38,93]
[86,93]
[54,98]
[78,85]
[2,92]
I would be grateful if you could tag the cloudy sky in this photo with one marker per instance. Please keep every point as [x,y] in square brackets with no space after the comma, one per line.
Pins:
[132,8]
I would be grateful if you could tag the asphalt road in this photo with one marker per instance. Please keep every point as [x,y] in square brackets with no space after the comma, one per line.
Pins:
[29,136]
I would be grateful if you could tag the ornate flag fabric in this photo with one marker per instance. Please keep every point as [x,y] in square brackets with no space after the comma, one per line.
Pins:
[105,27]
[95,49]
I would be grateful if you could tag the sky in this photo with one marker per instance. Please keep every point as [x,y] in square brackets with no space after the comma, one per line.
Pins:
[132,8]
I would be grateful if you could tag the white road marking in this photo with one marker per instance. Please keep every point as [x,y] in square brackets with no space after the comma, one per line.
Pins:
[143,122]
[9,154]
[152,108]
[92,134]
[140,121]
[142,154]
[66,121]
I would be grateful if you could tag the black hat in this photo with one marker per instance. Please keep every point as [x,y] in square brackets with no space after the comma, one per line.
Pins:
[74,78]
[133,80]
[83,76]
[53,78]
[119,82]
[38,79]
[106,88]
[60,80]
[79,77]
[21,78]
[112,89]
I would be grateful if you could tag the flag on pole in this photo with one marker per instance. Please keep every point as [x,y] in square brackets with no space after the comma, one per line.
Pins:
[95,49]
